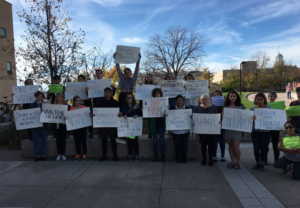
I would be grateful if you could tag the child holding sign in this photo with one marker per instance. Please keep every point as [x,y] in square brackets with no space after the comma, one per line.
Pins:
[290,145]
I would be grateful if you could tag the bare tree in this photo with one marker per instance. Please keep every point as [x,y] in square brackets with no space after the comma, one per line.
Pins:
[262,59]
[178,49]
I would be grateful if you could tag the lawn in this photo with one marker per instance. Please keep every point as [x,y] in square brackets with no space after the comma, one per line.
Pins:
[248,104]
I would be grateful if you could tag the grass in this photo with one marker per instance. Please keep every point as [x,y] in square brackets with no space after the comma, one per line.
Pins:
[248,104]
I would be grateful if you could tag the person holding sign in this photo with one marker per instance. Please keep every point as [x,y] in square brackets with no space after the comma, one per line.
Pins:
[51,96]
[233,138]
[172,101]
[296,119]
[127,81]
[207,140]
[131,109]
[290,145]
[191,102]
[260,138]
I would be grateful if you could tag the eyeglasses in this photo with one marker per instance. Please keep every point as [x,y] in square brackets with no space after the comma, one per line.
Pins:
[289,127]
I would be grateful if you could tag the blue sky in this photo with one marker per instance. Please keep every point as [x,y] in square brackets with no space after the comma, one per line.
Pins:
[233,29]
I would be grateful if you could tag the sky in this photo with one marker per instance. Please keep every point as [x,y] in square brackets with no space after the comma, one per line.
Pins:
[233,29]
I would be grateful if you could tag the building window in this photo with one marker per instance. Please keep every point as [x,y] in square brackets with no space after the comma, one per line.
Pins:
[3,32]
[8,68]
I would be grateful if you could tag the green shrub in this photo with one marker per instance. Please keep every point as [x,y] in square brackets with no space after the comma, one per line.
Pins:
[11,137]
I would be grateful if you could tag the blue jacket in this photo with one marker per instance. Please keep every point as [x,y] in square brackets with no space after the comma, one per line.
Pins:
[131,111]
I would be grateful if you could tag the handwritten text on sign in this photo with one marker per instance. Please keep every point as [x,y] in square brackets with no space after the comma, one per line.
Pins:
[237,120]
[218,100]
[196,88]
[24,94]
[172,88]
[77,119]
[269,119]
[53,113]
[179,120]
[205,123]
[155,107]
[76,88]
[27,119]
[97,86]
[144,91]
[105,117]
[127,54]
[130,127]
[277,105]
[293,111]
[291,142]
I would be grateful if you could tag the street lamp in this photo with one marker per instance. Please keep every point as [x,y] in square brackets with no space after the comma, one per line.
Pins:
[243,62]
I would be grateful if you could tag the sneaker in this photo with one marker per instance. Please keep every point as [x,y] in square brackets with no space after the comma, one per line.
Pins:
[215,159]
[285,171]
[77,157]
[63,157]
[136,158]
[261,167]
[210,163]
[58,157]
[129,158]
[223,159]
[83,157]
[255,167]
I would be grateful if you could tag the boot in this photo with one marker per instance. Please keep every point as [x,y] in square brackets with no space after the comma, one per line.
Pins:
[155,159]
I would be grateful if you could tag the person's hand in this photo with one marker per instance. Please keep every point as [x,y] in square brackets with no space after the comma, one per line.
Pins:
[220,122]
[12,94]
[125,117]
[115,54]
[191,116]
[155,83]
[87,89]
[168,107]
[14,120]
[48,92]
[222,113]
[142,108]
[184,87]
[120,114]
[140,84]
[165,115]
[140,55]
[92,115]
[254,117]
[65,118]
[112,86]
[294,149]
[135,116]
[208,86]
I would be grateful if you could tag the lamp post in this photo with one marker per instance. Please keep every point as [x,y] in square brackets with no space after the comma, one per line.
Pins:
[243,62]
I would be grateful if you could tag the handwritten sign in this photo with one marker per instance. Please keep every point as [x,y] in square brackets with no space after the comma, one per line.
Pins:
[53,113]
[269,119]
[27,119]
[196,88]
[97,86]
[24,94]
[179,120]
[144,91]
[56,88]
[172,88]
[218,100]
[205,123]
[77,119]
[291,142]
[105,117]
[292,111]
[76,88]
[237,120]
[155,107]
[127,54]
[130,127]
[277,105]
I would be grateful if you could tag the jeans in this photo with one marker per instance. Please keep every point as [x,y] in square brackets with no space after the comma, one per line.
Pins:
[207,141]
[288,95]
[133,144]
[37,135]
[221,140]
[180,143]
[260,144]
[283,162]
[159,131]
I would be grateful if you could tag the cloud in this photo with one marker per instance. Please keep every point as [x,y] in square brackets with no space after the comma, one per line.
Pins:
[108,3]
[287,33]
[133,40]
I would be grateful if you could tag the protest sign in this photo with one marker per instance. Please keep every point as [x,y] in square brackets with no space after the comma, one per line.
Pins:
[76,88]
[56,88]
[130,127]
[127,54]
[144,91]
[293,111]
[205,123]
[97,86]
[179,120]
[27,119]
[269,119]
[237,120]
[53,113]
[277,105]
[172,88]
[77,119]
[291,142]
[24,94]
[155,107]
[105,117]
[196,88]
[218,100]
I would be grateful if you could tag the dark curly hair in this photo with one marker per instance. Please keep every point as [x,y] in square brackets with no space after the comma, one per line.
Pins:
[151,82]
[218,91]
[262,95]
[155,90]
[133,99]
[237,101]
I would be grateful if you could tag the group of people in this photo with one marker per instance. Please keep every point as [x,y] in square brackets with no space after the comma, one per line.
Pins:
[157,126]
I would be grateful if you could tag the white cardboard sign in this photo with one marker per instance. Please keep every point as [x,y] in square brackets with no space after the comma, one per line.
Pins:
[77,119]
[130,127]
[155,107]
[53,113]
[205,123]
[97,86]
[105,117]
[172,88]
[179,120]
[76,88]
[24,94]
[144,91]
[237,120]
[196,88]
[27,119]
[127,54]
[270,119]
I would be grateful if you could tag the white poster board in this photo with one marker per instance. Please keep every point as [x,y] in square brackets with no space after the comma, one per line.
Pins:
[77,119]
[27,119]
[172,88]
[53,113]
[237,120]
[130,127]
[24,94]
[127,54]
[76,88]
[269,119]
[155,107]
[196,88]
[97,86]
[106,117]
[218,100]
[205,123]
[179,120]
[144,91]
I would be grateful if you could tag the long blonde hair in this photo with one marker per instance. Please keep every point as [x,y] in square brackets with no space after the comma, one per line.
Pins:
[208,97]
[63,99]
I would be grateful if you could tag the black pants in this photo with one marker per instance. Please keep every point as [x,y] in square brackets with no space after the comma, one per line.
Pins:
[80,140]
[275,141]
[180,143]
[207,141]
[133,144]
[91,130]
[60,135]
[112,134]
